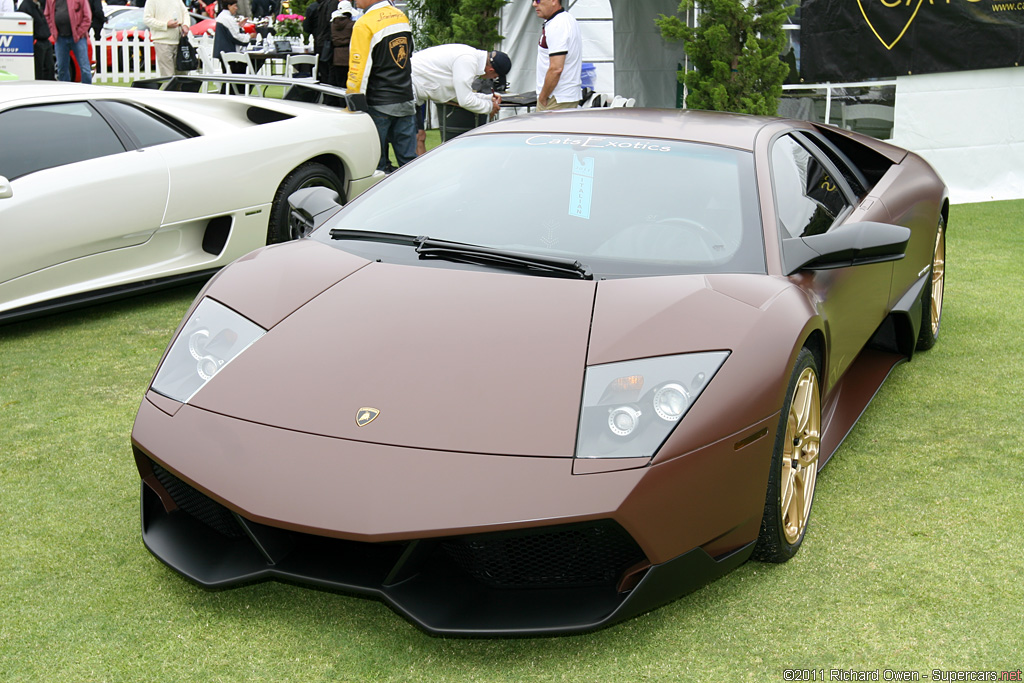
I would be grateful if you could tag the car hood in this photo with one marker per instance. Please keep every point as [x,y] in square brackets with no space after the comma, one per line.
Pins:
[453,360]
[473,361]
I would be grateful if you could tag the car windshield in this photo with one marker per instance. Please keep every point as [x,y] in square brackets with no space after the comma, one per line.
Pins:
[127,20]
[618,205]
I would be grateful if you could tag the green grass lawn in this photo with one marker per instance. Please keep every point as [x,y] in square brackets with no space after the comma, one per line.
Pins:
[913,560]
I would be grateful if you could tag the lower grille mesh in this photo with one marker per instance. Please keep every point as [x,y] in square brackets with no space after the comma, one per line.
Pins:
[588,554]
[577,555]
[198,505]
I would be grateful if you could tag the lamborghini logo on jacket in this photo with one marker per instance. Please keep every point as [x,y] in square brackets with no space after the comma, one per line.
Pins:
[365,416]
[399,50]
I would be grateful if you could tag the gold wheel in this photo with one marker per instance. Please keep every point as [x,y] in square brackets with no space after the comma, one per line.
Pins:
[800,456]
[932,297]
[938,279]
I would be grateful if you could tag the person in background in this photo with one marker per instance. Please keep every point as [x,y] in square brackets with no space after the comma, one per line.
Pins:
[98,18]
[445,73]
[313,25]
[322,39]
[559,57]
[228,36]
[42,49]
[167,21]
[7,6]
[343,18]
[69,21]
[379,69]
[310,20]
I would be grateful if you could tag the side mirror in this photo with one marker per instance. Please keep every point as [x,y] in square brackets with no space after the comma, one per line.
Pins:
[310,207]
[5,188]
[357,102]
[847,245]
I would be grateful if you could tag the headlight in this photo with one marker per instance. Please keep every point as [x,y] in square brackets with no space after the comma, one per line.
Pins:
[630,408]
[212,337]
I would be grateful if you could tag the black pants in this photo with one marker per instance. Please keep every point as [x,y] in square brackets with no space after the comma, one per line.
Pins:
[46,61]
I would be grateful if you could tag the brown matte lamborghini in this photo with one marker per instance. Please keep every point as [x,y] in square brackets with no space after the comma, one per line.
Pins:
[553,374]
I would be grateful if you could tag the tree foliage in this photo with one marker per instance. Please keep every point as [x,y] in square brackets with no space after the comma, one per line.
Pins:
[735,51]
[296,7]
[476,23]
[473,22]
[431,22]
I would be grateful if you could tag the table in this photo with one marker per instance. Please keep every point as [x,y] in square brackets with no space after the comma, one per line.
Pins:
[454,120]
[260,58]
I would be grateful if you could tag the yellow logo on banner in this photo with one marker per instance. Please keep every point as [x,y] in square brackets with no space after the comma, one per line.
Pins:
[895,3]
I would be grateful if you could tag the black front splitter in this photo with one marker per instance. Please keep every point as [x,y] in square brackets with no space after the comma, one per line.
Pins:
[440,602]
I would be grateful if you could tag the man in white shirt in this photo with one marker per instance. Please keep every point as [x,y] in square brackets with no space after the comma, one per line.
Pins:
[167,21]
[559,57]
[445,73]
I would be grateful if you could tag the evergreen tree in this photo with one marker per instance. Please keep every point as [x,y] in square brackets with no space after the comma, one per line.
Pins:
[296,7]
[476,23]
[472,22]
[735,51]
[431,22]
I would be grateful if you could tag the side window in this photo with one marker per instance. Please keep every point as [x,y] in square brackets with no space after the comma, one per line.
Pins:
[53,135]
[853,176]
[807,198]
[148,130]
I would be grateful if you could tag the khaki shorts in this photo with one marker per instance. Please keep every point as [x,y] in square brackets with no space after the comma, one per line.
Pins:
[165,57]
[555,104]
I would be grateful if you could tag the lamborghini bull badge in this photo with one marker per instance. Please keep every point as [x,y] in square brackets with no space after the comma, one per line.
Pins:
[365,416]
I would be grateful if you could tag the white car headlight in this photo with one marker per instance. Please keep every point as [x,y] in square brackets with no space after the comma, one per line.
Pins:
[212,337]
[630,408]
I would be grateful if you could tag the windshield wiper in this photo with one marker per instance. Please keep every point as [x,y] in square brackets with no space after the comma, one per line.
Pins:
[461,252]
[472,253]
[374,236]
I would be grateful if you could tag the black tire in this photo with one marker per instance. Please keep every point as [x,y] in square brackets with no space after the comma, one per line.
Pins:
[309,174]
[931,299]
[794,467]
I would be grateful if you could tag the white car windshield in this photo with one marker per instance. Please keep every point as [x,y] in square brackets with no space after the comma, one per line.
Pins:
[619,205]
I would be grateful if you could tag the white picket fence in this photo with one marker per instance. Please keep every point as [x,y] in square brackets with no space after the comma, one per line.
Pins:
[123,60]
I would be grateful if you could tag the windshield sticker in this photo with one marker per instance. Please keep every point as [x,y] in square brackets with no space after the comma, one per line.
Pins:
[594,142]
[582,188]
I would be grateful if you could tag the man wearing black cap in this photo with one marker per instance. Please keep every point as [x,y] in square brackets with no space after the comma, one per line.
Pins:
[445,73]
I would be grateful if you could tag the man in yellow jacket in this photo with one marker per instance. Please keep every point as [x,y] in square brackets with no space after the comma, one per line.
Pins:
[379,68]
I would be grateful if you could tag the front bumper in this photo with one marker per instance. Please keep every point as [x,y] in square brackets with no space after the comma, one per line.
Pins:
[358,186]
[531,549]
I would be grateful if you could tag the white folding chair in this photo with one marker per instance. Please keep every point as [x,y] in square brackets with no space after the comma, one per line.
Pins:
[291,69]
[207,64]
[229,58]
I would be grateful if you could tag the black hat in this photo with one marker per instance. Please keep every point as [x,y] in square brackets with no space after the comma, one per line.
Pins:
[500,62]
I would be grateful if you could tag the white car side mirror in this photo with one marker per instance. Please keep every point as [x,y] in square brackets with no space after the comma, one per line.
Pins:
[5,188]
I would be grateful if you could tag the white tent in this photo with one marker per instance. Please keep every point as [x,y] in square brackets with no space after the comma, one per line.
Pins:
[965,123]
[632,60]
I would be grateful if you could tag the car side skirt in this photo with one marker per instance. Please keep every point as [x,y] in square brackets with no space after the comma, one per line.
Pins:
[101,296]
[852,395]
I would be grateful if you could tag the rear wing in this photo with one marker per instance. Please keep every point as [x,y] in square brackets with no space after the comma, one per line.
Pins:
[276,87]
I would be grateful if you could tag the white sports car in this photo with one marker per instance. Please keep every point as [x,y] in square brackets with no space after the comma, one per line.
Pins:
[106,190]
